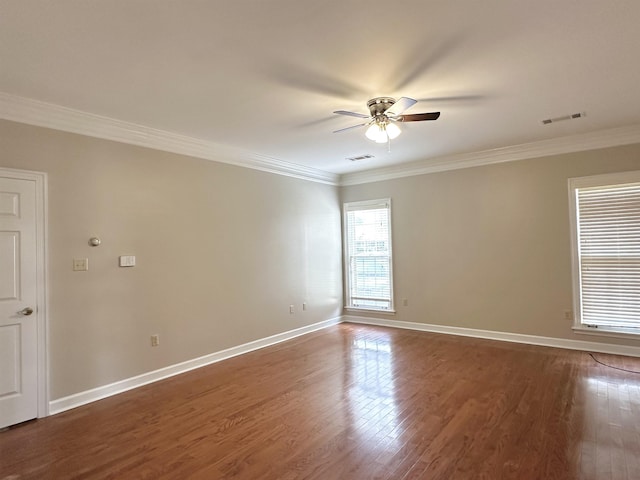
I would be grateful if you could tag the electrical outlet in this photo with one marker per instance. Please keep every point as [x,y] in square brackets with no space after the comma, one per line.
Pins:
[291,309]
[155,340]
[304,306]
[568,315]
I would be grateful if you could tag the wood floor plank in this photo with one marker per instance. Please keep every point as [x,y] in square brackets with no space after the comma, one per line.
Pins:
[355,402]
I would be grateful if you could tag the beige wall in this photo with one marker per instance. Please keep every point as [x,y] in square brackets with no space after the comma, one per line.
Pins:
[222,252]
[489,247]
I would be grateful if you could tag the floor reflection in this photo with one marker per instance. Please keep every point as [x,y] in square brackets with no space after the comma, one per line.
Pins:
[371,392]
[609,405]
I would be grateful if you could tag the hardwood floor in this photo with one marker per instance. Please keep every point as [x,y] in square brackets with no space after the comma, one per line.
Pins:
[355,402]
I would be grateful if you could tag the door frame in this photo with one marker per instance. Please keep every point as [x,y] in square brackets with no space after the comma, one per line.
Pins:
[42,297]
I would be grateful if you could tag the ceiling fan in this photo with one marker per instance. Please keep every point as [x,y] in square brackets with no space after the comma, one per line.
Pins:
[384,113]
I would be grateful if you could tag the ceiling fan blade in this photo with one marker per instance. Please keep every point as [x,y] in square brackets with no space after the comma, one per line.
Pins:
[351,114]
[352,126]
[400,106]
[418,117]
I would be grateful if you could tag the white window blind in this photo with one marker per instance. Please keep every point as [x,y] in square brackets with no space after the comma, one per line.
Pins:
[608,230]
[368,254]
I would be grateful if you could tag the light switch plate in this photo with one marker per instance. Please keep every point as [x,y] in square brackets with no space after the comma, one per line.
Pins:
[80,264]
[127,260]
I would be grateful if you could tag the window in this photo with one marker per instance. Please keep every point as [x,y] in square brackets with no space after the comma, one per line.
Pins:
[367,232]
[606,252]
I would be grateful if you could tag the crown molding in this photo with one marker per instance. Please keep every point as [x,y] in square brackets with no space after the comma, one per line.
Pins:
[575,143]
[42,114]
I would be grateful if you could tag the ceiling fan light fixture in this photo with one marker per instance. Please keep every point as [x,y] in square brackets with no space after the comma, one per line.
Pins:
[381,132]
[393,131]
[383,113]
[377,133]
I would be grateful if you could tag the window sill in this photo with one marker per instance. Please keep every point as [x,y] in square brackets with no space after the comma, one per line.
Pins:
[372,310]
[606,332]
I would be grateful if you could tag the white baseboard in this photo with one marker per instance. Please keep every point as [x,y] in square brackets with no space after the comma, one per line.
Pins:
[82,398]
[66,403]
[502,336]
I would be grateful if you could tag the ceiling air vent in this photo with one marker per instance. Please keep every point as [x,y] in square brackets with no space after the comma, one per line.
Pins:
[359,157]
[561,119]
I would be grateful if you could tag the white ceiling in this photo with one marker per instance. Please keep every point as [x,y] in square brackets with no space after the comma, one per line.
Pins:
[265,76]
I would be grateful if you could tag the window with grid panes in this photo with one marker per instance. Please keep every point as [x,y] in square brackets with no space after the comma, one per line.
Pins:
[368,266]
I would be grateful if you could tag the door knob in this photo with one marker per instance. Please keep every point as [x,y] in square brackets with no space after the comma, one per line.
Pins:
[26,311]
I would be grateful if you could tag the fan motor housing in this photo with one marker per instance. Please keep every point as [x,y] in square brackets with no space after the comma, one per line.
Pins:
[379,105]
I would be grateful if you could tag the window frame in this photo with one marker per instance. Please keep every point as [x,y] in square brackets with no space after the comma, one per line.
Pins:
[369,204]
[609,179]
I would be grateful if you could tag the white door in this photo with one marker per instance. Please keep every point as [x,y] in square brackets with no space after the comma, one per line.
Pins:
[18,309]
